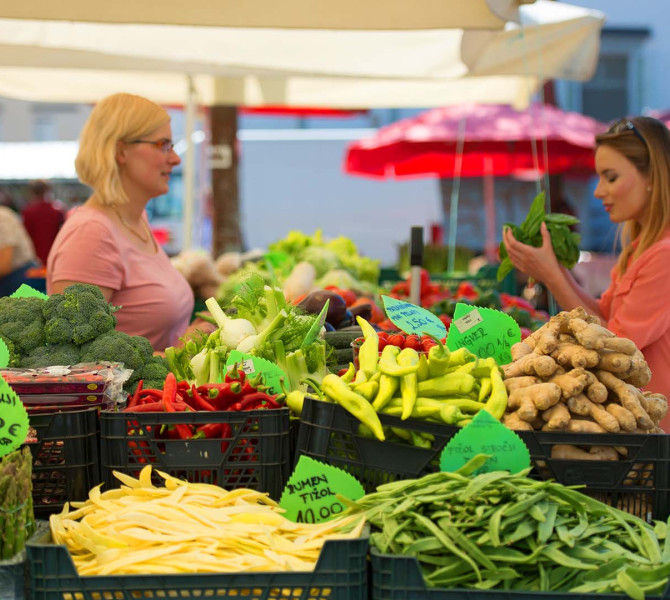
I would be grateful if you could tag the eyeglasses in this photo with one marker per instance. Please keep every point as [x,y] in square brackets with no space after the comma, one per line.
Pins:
[164,145]
[623,125]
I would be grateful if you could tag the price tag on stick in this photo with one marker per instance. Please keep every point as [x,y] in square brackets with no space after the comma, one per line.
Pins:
[484,331]
[411,318]
[310,496]
[252,365]
[13,419]
[4,355]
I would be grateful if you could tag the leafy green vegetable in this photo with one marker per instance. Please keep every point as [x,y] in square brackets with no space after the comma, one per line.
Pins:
[564,242]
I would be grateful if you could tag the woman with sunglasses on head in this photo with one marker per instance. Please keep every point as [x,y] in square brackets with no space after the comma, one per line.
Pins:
[126,156]
[632,162]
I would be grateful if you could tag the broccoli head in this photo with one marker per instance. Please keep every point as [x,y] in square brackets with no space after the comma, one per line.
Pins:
[51,355]
[78,315]
[22,323]
[114,346]
[152,374]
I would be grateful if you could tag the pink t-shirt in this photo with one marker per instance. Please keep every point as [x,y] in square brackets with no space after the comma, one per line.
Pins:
[636,307]
[156,300]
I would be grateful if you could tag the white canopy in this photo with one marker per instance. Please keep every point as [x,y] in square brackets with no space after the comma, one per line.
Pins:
[293,14]
[64,61]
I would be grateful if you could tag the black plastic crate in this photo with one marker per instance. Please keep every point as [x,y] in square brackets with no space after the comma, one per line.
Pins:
[330,434]
[66,458]
[638,483]
[400,578]
[257,454]
[341,573]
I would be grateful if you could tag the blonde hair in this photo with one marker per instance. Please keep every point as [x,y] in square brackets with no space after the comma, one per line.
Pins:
[649,151]
[120,117]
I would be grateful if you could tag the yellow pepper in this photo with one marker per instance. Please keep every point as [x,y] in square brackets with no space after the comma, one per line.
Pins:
[409,383]
[368,354]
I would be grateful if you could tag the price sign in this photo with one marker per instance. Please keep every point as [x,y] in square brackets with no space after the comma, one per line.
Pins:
[252,365]
[411,318]
[13,419]
[486,435]
[310,496]
[484,331]
[25,291]
[4,355]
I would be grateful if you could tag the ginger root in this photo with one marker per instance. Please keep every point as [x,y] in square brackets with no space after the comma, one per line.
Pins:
[520,382]
[571,452]
[514,421]
[531,364]
[572,382]
[556,418]
[624,416]
[542,395]
[519,350]
[628,398]
[573,355]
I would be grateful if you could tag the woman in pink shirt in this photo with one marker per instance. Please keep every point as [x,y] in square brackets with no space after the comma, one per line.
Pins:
[126,156]
[633,166]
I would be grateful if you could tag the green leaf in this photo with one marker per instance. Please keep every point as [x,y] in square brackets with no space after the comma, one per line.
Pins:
[536,214]
[561,219]
[504,269]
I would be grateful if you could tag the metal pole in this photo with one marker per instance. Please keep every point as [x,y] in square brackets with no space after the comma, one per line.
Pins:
[189,166]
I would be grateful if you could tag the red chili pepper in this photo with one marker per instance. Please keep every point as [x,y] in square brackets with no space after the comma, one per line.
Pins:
[211,430]
[228,394]
[200,402]
[235,374]
[183,386]
[150,394]
[226,434]
[157,407]
[252,385]
[251,401]
[169,396]
[136,396]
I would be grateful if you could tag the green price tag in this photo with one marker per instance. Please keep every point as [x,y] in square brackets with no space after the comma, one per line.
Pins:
[25,291]
[310,496]
[411,318]
[252,365]
[4,355]
[484,331]
[13,419]
[486,435]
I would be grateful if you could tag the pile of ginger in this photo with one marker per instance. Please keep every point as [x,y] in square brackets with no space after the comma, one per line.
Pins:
[574,375]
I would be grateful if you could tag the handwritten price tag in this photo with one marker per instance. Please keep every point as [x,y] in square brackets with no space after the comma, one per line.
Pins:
[4,354]
[486,435]
[25,291]
[310,496]
[13,419]
[484,331]
[411,318]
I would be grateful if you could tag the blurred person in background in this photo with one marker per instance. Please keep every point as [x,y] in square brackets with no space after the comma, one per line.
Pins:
[633,166]
[126,156]
[42,218]
[17,254]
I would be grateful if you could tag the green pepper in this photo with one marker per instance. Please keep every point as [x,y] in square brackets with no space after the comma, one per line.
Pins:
[349,375]
[497,402]
[438,360]
[367,389]
[388,363]
[448,385]
[388,386]
[409,383]
[423,373]
[424,408]
[478,368]
[368,354]
[460,357]
[356,404]
[485,389]
[419,441]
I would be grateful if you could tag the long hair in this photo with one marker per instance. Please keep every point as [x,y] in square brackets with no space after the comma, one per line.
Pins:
[647,146]
[120,117]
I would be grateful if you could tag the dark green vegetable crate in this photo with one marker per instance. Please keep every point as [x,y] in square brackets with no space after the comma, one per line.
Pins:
[257,454]
[66,458]
[400,578]
[638,484]
[341,573]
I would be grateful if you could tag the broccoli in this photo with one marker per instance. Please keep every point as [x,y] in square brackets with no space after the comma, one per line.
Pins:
[14,358]
[115,346]
[51,355]
[152,374]
[79,314]
[22,323]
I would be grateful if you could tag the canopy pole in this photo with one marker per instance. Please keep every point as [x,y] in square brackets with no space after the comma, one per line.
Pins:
[189,166]
[455,192]
[490,246]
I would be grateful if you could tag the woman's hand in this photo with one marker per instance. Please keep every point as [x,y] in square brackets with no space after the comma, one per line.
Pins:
[538,263]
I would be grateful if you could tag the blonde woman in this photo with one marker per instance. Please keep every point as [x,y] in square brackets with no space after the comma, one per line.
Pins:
[633,166]
[126,156]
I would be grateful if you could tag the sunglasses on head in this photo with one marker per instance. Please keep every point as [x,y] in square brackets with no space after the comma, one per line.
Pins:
[623,125]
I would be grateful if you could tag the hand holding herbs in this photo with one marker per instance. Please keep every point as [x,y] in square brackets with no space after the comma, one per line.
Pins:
[564,242]
[508,532]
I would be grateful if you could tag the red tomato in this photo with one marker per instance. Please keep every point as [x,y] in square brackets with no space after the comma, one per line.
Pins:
[397,339]
[383,335]
[413,341]
[446,319]
[341,372]
[383,342]
[427,344]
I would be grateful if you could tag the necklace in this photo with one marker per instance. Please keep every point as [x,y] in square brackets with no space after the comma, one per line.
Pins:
[147,234]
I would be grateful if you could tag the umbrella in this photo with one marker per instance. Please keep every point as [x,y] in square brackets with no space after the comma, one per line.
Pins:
[478,140]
